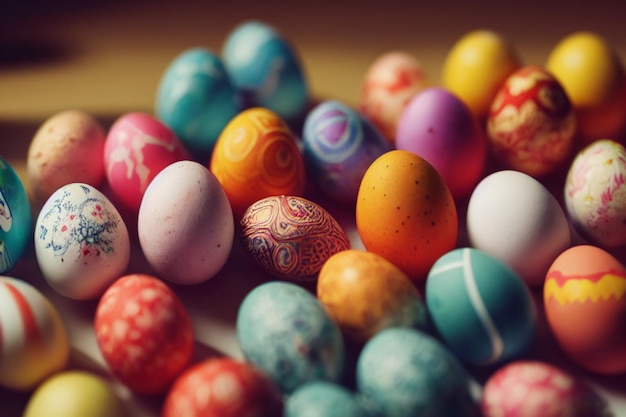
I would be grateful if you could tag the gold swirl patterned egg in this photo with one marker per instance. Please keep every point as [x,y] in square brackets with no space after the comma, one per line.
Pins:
[291,237]
[256,156]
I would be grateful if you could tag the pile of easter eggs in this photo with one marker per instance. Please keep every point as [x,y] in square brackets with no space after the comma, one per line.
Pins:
[469,198]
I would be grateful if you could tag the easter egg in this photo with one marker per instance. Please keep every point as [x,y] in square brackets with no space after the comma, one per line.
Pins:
[481,308]
[143,332]
[285,331]
[66,148]
[256,156]
[404,373]
[81,242]
[514,218]
[531,124]
[365,293]
[406,213]
[585,303]
[389,83]
[196,99]
[15,217]
[291,237]
[265,66]
[476,66]
[34,343]
[323,399]
[440,128]
[223,387]
[137,148]
[595,194]
[74,394]
[339,146]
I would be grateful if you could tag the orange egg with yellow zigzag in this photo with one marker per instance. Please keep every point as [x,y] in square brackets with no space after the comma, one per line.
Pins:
[585,302]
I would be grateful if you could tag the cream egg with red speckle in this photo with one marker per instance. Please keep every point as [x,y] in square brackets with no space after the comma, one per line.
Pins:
[144,333]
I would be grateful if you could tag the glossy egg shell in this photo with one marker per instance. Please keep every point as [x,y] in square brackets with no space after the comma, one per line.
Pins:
[324,399]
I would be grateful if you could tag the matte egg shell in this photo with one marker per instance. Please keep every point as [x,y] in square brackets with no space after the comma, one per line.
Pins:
[257,156]
[339,146]
[33,337]
[533,388]
[15,217]
[323,399]
[265,66]
[81,242]
[405,372]
[185,224]
[389,83]
[67,148]
[223,387]
[481,308]
[595,193]
[365,293]
[515,219]
[285,331]
[585,302]
[440,128]
[74,394]
[531,124]
[137,148]
[406,213]
[144,333]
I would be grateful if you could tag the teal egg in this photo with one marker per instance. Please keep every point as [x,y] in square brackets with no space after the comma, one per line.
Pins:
[324,399]
[15,217]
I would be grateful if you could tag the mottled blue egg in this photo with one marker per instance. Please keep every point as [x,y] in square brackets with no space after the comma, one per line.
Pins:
[323,399]
[482,309]
[15,217]
[404,372]
[284,330]
[266,68]
[339,145]
[196,99]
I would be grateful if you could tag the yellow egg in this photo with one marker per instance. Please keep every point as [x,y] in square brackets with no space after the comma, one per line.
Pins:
[476,67]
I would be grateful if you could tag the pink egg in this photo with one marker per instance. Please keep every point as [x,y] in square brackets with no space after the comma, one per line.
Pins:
[137,148]
[144,333]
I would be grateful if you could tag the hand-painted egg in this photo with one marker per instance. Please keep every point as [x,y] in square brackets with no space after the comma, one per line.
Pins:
[15,217]
[265,66]
[404,373]
[481,308]
[144,333]
[223,387]
[514,218]
[531,124]
[291,237]
[81,242]
[324,399]
[74,394]
[585,302]
[34,343]
[406,213]
[67,148]
[595,193]
[185,224]
[389,83]
[440,128]
[196,99]
[257,156]
[365,293]
[533,388]
[137,148]
[339,146]
[285,331]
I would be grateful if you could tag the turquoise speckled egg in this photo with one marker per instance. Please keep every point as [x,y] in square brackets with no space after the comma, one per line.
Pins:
[283,330]
[15,217]
[324,399]
[481,308]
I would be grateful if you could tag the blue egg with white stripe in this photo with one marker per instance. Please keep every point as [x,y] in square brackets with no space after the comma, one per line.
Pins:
[482,309]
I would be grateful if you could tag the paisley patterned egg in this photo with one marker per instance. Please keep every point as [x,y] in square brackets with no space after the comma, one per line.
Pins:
[291,237]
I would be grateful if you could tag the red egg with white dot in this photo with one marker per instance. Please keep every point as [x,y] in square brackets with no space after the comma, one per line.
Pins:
[144,333]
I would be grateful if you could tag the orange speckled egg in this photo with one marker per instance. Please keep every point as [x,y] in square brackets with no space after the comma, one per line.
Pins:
[256,156]
[406,213]
[365,293]
[585,302]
